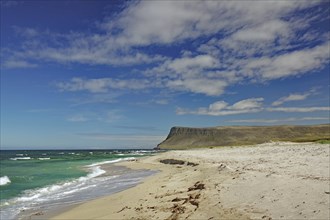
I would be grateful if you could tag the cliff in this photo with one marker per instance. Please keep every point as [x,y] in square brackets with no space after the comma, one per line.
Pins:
[184,137]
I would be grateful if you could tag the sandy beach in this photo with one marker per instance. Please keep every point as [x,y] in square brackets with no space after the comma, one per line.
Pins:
[266,181]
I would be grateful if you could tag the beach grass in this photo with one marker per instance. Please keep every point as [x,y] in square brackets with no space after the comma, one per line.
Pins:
[326,141]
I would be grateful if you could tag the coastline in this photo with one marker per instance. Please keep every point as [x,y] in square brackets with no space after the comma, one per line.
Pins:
[117,179]
[267,181]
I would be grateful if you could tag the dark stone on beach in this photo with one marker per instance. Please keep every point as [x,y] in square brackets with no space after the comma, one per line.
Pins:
[192,164]
[178,209]
[197,186]
[178,199]
[172,161]
[38,213]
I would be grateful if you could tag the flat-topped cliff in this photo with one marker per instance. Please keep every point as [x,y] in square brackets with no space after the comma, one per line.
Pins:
[185,137]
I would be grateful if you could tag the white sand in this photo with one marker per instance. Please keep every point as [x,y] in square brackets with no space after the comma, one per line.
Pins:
[267,181]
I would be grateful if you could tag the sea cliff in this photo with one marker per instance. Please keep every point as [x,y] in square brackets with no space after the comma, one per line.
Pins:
[186,137]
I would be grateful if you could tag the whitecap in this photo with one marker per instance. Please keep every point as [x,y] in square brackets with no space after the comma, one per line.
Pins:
[21,158]
[111,161]
[4,180]
[42,194]
[44,158]
[96,171]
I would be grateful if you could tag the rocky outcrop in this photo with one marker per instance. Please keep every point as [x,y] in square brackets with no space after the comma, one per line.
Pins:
[184,137]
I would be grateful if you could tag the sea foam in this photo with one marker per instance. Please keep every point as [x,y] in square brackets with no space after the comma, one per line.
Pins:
[111,161]
[4,180]
[57,189]
[44,158]
[21,158]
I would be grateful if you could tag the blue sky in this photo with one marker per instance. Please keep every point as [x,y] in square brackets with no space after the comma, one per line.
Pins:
[120,74]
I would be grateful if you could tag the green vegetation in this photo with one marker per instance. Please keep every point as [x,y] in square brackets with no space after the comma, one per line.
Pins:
[323,141]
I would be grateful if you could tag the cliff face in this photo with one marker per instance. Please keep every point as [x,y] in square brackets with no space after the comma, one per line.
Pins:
[183,137]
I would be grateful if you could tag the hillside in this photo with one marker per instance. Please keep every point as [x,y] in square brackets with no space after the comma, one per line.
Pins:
[184,137]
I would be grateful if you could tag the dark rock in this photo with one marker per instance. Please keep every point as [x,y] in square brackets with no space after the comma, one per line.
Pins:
[197,186]
[192,164]
[172,161]
[178,199]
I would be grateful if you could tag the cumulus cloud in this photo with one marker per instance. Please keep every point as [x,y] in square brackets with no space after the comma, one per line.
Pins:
[289,64]
[233,42]
[141,23]
[221,108]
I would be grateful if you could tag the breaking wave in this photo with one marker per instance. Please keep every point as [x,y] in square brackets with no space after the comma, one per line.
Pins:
[4,180]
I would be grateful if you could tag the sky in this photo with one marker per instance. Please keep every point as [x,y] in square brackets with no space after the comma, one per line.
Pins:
[119,74]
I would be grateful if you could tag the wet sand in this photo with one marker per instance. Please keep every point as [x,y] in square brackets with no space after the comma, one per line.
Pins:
[267,181]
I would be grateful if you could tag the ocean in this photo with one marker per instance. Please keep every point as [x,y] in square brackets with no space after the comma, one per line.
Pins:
[49,179]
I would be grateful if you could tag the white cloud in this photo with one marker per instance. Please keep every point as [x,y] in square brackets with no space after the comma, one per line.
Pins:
[295,63]
[221,108]
[142,23]
[26,32]
[198,85]
[291,97]
[197,63]
[280,120]
[95,55]
[78,118]
[217,106]
[288,64]
[298,109]
[260,41]
[253,103]
[101,85]
[264,32]
[10,64]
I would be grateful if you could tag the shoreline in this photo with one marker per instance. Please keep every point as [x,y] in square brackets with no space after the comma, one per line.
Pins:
[118,172]
[267,181]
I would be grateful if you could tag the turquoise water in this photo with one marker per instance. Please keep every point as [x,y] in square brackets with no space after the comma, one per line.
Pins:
[31,178]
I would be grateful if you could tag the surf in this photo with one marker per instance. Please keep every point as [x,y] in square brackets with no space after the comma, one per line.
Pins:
[4,180]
